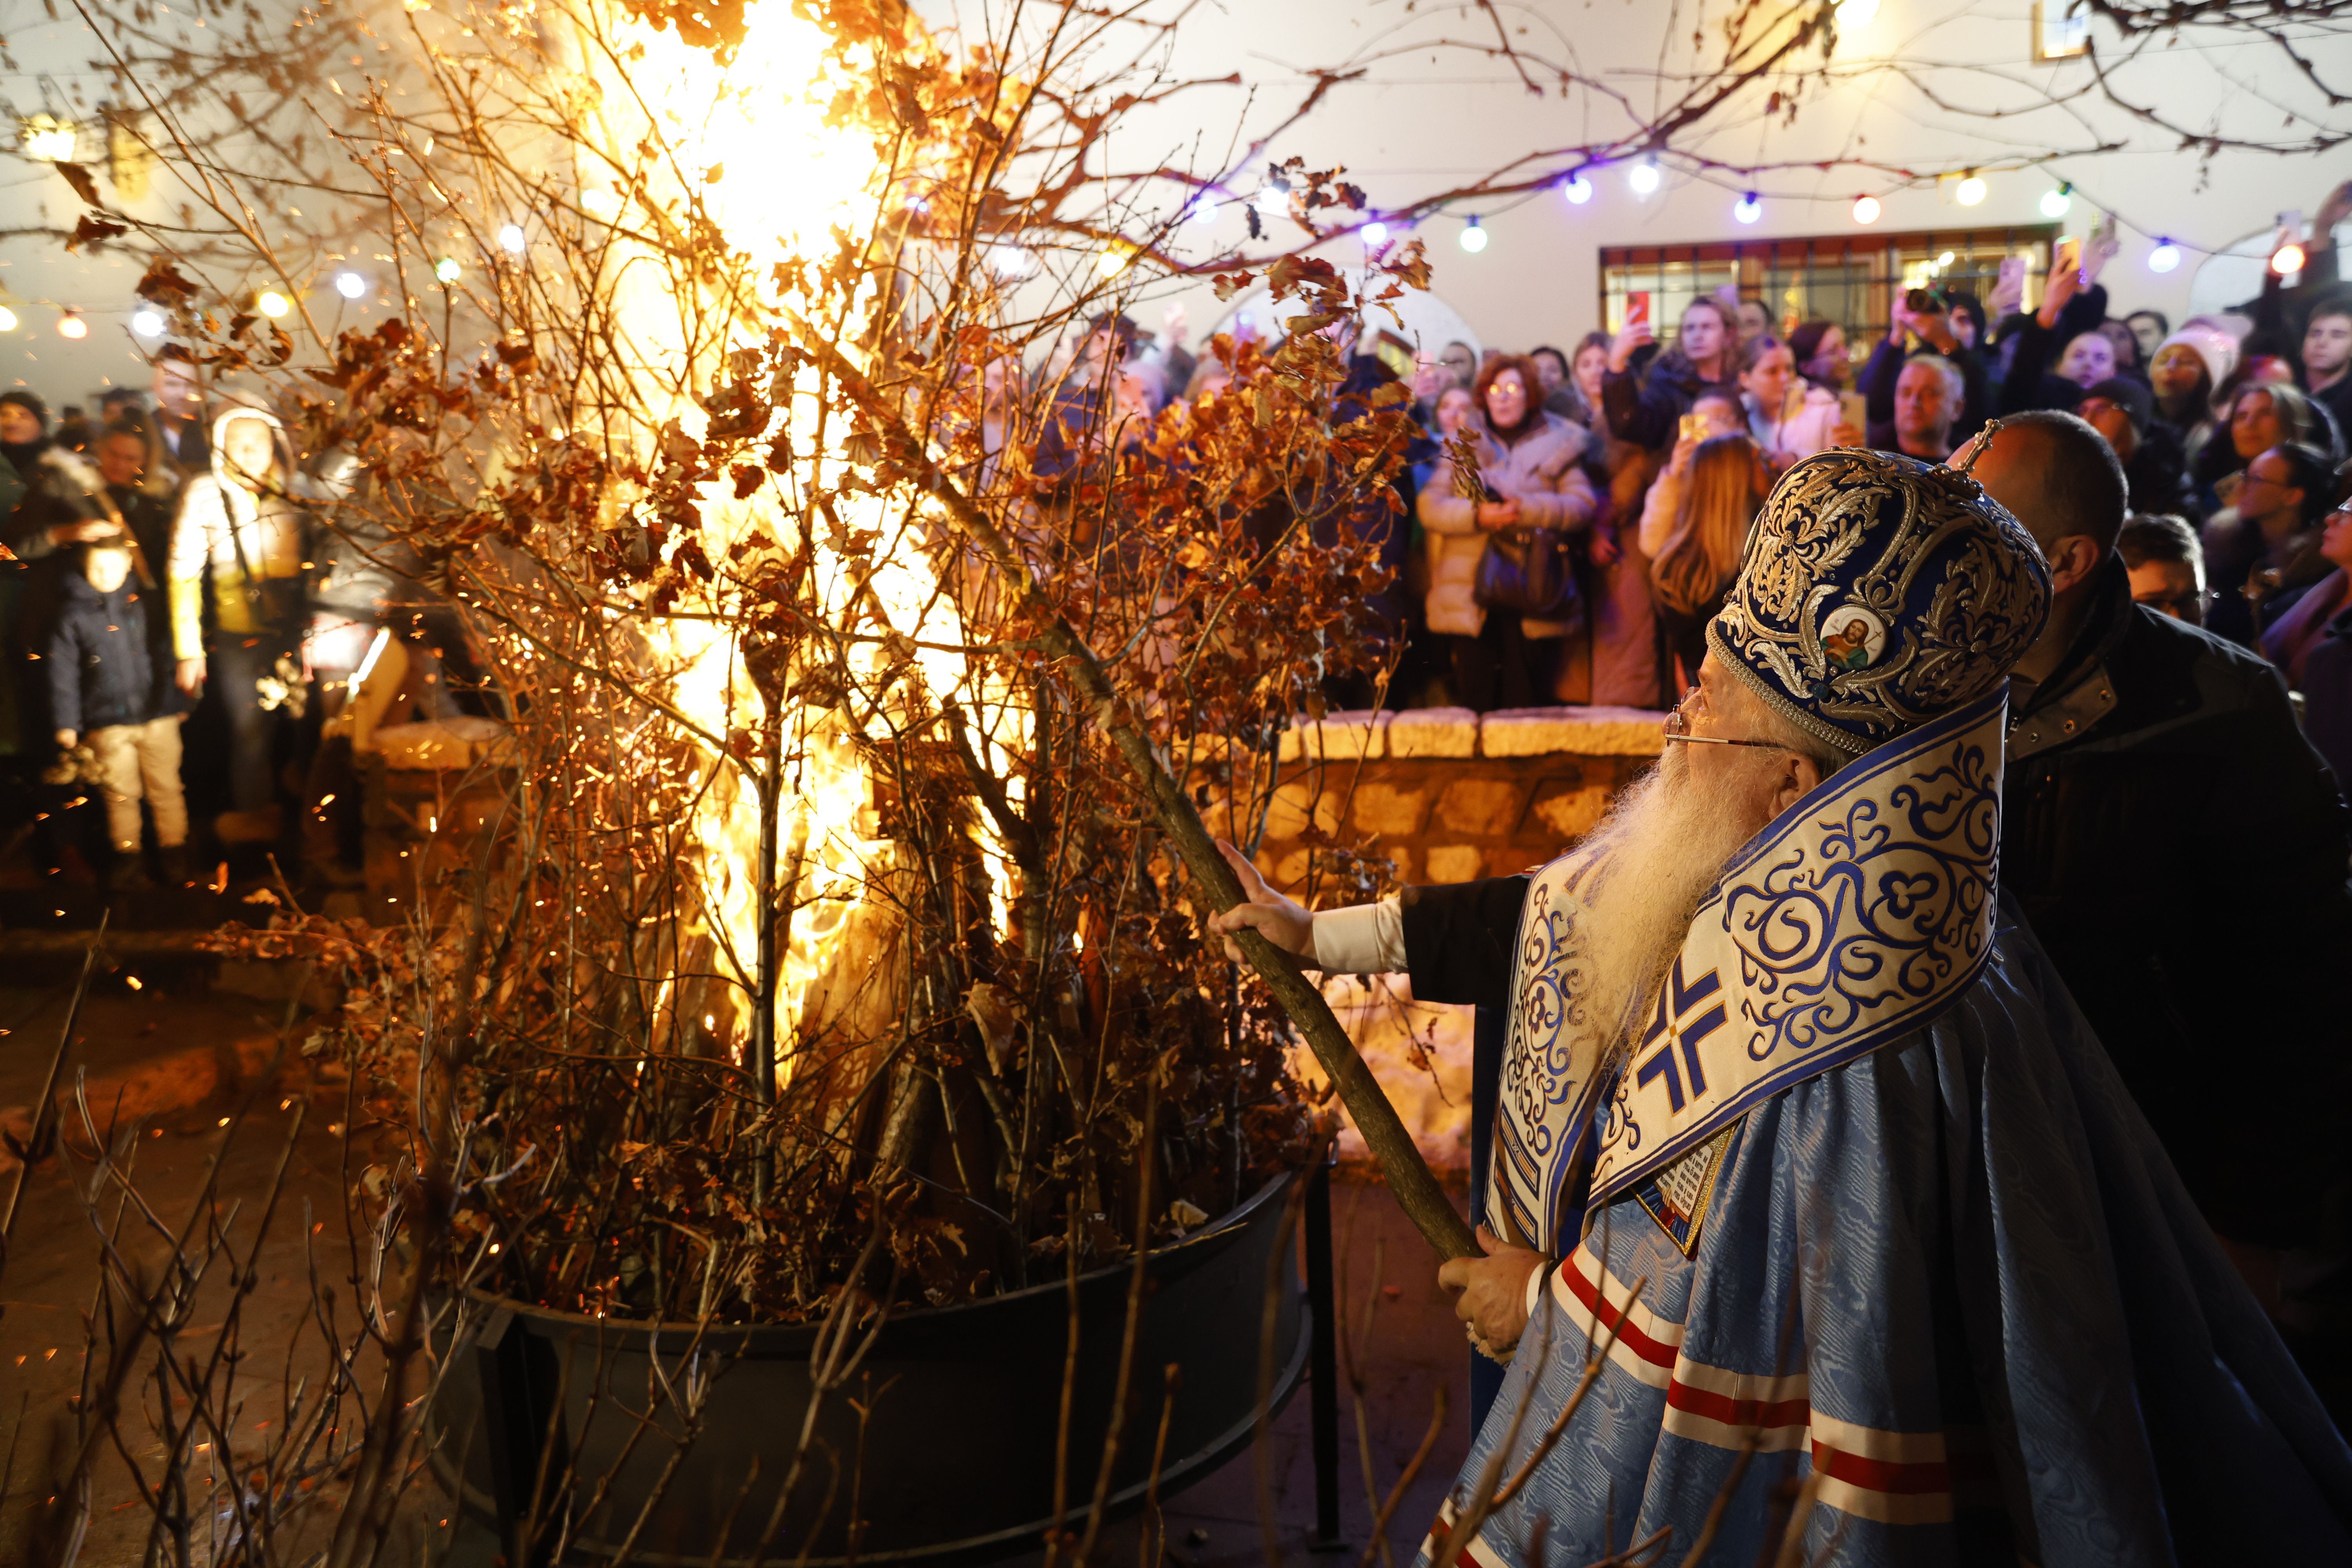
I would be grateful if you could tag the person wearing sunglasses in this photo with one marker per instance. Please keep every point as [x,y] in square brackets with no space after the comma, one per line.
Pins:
[1802,1156]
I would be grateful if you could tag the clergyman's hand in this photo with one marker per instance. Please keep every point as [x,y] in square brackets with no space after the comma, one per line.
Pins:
[1282,922]
[1492,1291]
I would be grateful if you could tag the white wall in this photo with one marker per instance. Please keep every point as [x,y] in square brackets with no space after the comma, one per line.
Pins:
[1430,121]
[1426,118]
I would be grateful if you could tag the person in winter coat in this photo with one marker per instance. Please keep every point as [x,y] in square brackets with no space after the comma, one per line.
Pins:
[1947,332]
[2266,545]
[1788,418]
[1820,349]
[2179,850]
[108,682]
[1531,460]
[2324,363]
[2255,417]
[241,549]
[2302,625]
[2124,411]
[1695,562]
[2315,650]
[51,512]
[2184,373]
[1617,468]
[1705,353]
[2058,351]
[123,454]
[1718,413]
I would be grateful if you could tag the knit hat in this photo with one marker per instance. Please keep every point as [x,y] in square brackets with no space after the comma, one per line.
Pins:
[30,403]
[1879,592]
[2214,343]
[2132,397]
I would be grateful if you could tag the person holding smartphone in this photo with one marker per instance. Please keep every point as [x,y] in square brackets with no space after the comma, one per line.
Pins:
[1645,409]
[1927,321]
[2060,352]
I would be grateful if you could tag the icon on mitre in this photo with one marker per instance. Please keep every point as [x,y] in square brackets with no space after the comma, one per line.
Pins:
[1852,638]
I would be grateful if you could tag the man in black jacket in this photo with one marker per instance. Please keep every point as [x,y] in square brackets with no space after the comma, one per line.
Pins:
[2124,411]
[2181,852]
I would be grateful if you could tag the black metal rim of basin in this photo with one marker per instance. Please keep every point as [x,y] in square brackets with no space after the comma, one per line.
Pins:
[636,1333]
[1177,1473]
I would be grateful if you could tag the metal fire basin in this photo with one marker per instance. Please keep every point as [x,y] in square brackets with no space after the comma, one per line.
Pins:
[957,1458]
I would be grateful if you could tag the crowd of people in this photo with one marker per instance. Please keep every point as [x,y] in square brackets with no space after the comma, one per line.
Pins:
[172,576]
[1643,463]
[190,642]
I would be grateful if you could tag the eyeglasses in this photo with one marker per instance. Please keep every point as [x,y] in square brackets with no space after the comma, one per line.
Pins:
[1677,727]
[2190,607]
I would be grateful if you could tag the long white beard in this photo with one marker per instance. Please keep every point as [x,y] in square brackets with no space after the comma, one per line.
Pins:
[1661,845]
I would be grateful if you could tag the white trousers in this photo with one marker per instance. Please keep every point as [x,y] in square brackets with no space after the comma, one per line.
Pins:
[136,762]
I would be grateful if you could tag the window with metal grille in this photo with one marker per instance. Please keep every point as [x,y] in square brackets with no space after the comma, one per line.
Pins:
[1849,278]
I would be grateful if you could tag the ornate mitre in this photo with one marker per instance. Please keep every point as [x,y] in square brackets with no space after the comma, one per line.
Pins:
[1878,592]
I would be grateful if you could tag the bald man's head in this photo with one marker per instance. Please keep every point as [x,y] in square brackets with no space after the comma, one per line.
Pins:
[2057,476]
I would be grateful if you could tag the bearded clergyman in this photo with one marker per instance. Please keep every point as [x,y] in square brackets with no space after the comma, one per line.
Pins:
[1817,1217]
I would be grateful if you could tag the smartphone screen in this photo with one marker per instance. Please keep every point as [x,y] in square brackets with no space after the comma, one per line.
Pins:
[1853,411]
[1694,427]
[1637,307]
[2068,257]
[2013,271]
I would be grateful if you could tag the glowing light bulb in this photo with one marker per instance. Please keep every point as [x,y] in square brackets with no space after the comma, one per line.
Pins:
[1579,190]
[1857,13]
[510,239]
[2055,202]
[1643,177]
[2287,258]
[1375,234]
[1112,261]
[1204,209]
[1012,263]
[349,285]
[7,319]
[273,304]
[1945,260]
[1271,202]
[146,324]
[447,269]
[2164,257]
[1747,209]
[71,325]
[1474,239]
[1867,209]
[1972,191]
[47,138]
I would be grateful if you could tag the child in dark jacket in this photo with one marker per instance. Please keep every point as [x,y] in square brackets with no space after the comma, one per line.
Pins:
[109,680]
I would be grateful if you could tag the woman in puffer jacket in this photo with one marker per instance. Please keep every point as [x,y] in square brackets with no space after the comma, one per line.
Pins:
[1531,459]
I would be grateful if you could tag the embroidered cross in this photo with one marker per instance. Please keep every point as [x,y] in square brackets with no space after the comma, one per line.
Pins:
[1676,1001]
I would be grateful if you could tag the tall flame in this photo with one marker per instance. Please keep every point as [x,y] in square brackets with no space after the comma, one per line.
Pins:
[749,139]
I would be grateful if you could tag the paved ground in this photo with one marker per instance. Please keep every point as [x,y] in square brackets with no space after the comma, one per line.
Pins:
[168,1058]
[1414,1351]
[176,1055]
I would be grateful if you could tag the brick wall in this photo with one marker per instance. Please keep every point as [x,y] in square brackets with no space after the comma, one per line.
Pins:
[1449,796]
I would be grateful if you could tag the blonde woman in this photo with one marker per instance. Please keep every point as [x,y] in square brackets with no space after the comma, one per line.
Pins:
[1698,560]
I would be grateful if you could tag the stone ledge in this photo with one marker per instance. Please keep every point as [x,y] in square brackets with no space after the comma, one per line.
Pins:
[1458,732]
[1345,737]
[1434,732]
[1572,731]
